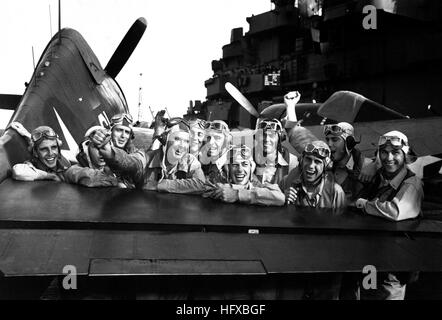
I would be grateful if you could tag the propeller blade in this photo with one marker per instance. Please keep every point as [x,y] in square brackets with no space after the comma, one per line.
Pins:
[126,47]
[239,97]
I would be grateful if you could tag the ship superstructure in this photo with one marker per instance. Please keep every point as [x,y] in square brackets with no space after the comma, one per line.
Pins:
[319,47]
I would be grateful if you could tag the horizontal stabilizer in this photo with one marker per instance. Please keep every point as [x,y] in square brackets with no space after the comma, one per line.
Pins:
[307,112]
[352,107]
[424,134]
[9,101]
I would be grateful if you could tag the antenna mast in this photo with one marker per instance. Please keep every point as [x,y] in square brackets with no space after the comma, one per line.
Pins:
[140,97]
[50,20]
[151,112]
[33,58]
[59,21]
[33,63]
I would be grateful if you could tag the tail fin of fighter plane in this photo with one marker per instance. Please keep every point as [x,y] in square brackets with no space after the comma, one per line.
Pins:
[70,92]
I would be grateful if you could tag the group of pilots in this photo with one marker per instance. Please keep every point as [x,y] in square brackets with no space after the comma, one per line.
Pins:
[201,157]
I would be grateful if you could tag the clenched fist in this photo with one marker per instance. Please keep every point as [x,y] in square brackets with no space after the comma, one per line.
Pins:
[101,139]
[223,193]
[290,100]
[291,195]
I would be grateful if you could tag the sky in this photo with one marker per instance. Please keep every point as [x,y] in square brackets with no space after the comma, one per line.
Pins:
[174,55]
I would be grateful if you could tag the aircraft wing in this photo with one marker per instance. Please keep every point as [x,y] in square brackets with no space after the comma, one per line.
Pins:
[110,231]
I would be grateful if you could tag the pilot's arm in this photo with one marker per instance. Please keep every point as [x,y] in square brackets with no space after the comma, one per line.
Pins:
[265,195]
[127,165]
[288,180]
[405,205]
[17,126]
[27,172]
[290,100]
[299,137]
[89,177]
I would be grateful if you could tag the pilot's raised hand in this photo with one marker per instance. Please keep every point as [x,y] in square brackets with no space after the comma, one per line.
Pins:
[17,126]
[290,100]
[101,139]
[160,123]
[291,195]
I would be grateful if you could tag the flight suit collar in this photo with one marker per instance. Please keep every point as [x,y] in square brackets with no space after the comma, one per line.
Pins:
[397,180]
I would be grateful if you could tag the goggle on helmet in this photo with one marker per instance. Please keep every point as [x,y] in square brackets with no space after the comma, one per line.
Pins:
[273,124]
[321,152]
[217,125]
[42,133]
[341,130]
[396,139]
[198,123]
[124,119]
[241,153]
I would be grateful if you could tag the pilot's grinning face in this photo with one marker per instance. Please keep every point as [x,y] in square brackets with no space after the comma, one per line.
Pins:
[337,147]
[120,136]
[196,139]
[177,146]
[240,172]
[215,143]
[392,159]
[48,152]
[312,168]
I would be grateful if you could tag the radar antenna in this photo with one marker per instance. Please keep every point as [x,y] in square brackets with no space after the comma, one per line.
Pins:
[140,97]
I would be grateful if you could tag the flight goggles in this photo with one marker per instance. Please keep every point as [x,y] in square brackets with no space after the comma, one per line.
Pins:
[243,151]
[334,129]
[215,125]
[45,133]
[318,151]
[393,140]
[270,125]
[121,118]
[199,122]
